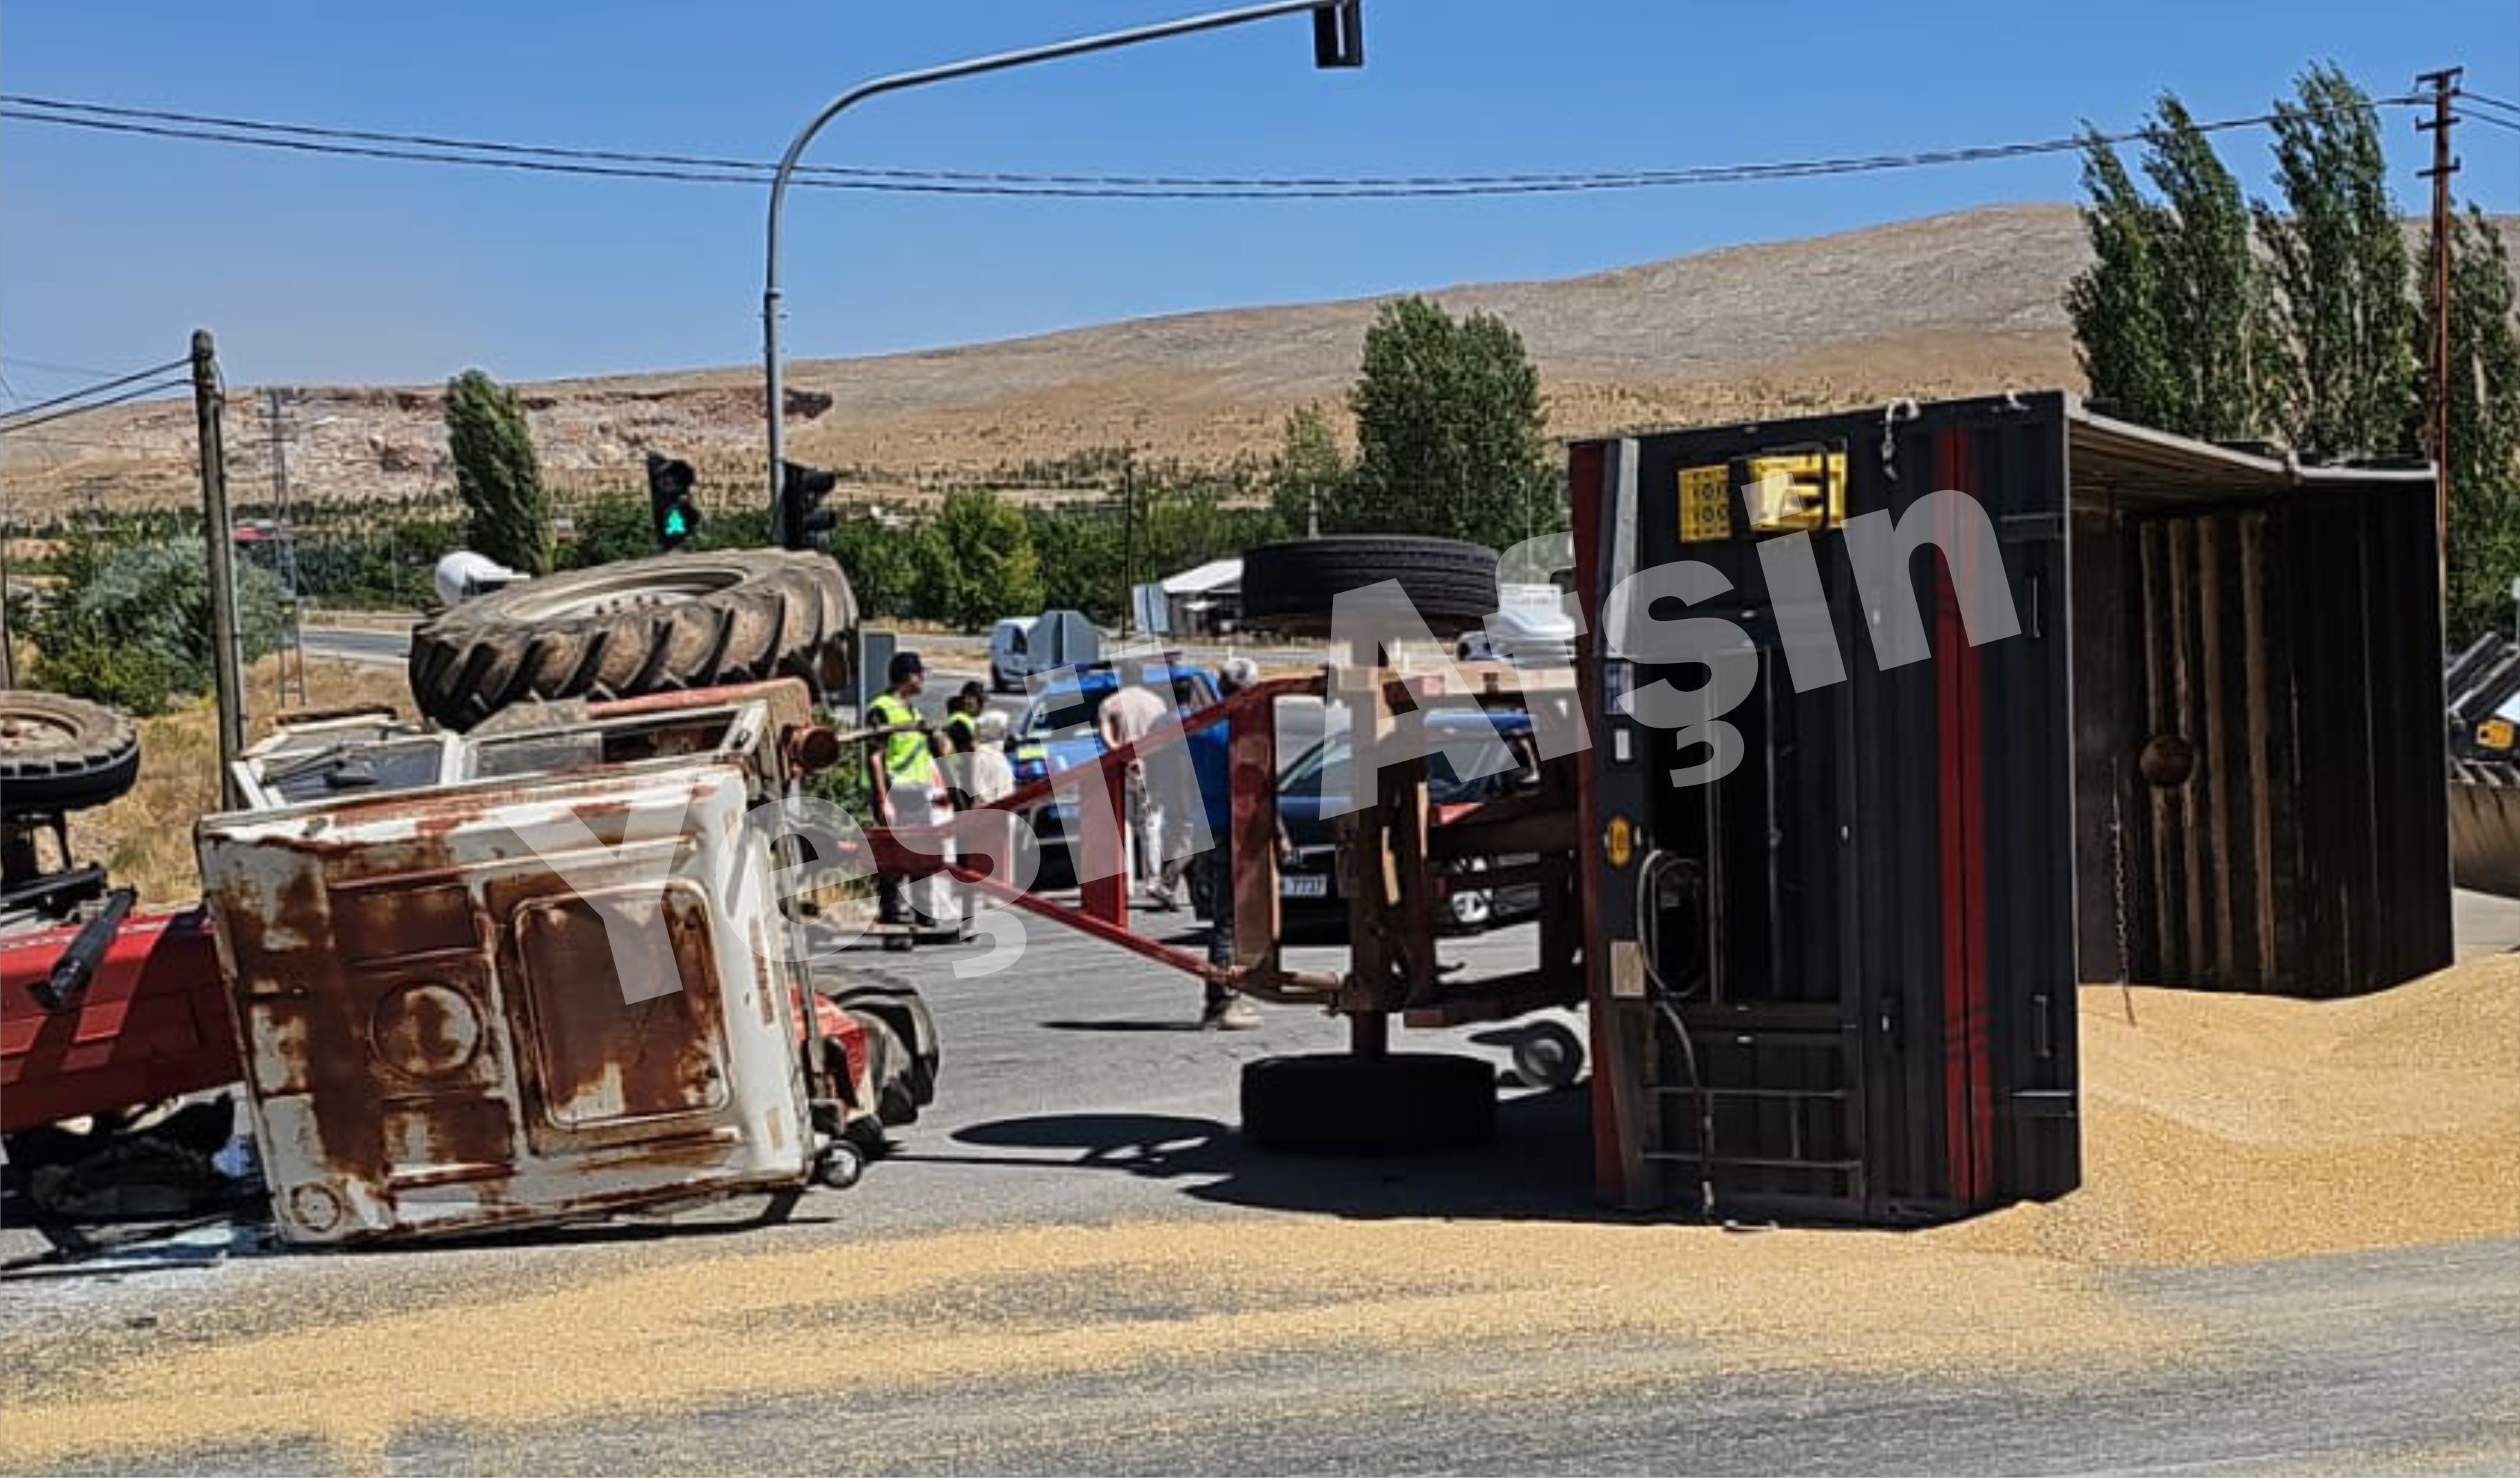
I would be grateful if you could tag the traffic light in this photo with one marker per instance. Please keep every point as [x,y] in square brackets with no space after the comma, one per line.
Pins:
[802,518]
[1338,35]
[670,504]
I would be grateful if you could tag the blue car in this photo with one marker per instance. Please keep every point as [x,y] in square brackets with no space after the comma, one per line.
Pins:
[1058,734]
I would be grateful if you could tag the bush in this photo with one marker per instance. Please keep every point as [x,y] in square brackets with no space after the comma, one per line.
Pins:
[878,559]
[607,527]
[976,561]
[132,626]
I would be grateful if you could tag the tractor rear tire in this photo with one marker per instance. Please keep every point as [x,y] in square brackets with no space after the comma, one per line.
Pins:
[1293,587]
[666,624]
[62,754]
[1340,1104]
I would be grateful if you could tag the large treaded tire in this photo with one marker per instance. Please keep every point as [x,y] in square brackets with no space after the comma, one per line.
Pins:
[1340,1104]
[62,754]
[664,624]
[1292,587]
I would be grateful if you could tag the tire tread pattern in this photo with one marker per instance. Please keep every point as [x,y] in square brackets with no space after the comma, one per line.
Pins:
[781,614]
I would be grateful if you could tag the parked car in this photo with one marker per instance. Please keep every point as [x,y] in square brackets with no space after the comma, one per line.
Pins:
[1311,794]
[1057,732]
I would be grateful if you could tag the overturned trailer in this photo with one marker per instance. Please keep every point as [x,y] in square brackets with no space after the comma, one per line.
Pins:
[1889,729]
[1839,981]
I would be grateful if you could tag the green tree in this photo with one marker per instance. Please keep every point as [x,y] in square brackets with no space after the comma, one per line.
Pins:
[496,475]
[2483,455]
[130,625]
[2337,259]
[1449,431]
[2116,301]
[977,561]
[1308,473]
[2213,302]
[1078,547]
[877,558]
[608,528]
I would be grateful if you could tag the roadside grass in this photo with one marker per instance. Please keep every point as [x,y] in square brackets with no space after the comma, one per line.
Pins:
[145,838]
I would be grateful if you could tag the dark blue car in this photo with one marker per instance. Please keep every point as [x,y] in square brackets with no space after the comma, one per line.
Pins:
[1310,793]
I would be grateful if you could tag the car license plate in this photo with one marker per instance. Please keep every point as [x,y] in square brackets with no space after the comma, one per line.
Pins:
[1304,886]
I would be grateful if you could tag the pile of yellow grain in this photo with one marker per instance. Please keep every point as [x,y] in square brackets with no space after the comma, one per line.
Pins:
[2222,1128]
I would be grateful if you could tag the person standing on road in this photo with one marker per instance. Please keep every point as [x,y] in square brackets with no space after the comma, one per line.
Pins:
[907,791]
[1210,755]
[1132,712]
[983,774]
[960,728]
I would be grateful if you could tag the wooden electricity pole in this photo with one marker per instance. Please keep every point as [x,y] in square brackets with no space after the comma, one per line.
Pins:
[2443,85]
[226,667]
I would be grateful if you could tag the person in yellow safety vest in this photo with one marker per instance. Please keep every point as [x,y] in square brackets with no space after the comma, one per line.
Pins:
[908,792]
[961,731]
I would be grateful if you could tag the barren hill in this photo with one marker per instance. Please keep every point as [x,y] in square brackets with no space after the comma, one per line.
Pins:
[1946,305]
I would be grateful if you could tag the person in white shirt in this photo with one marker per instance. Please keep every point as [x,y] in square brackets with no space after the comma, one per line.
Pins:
[1128,715]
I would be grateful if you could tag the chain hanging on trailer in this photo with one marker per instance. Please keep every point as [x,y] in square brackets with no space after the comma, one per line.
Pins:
[1902,409]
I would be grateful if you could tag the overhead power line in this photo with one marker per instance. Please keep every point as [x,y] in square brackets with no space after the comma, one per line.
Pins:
[49,366]
[25,422]
[86,392]
[2491,119]
[2473,96]
[704,169]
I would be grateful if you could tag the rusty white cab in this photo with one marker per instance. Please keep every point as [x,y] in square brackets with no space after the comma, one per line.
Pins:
[517,976]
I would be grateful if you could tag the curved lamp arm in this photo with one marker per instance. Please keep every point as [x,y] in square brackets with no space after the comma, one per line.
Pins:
[898,81]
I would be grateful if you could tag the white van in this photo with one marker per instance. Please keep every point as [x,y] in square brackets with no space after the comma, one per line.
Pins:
[1011,653]
[1022,647]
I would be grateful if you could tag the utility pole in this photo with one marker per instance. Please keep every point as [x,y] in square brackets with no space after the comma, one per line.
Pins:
[8,663]
[226,645]
[2443,85]
[1128,538]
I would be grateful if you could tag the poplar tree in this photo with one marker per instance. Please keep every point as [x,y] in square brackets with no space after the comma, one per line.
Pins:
[2211,300]
[2115,302]
[2338,253]
[508,519]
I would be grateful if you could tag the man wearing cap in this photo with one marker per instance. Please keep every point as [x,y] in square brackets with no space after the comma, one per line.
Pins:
[902,768]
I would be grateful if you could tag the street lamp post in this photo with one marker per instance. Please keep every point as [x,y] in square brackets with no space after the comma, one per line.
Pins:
[1337,42]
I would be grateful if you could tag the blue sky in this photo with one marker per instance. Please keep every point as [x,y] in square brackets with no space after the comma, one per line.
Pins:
[113,248]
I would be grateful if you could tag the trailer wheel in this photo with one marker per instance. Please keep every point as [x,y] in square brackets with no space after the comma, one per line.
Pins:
[62,754]
[666,624]
[1549,1054]
[839,1166]
[1340,1104]
[1293,587]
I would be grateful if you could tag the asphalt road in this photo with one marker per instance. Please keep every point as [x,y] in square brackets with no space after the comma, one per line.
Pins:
[356,644]
[1076,1096]
[1077,1100]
